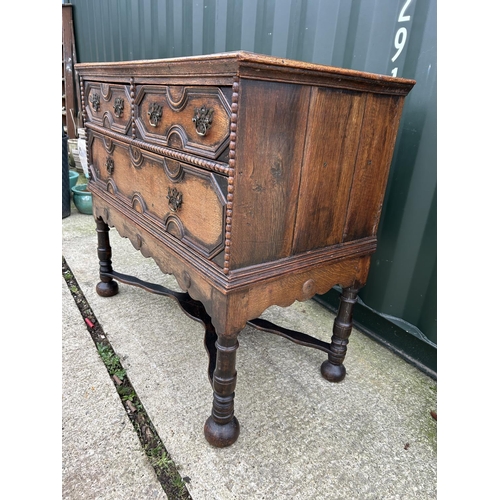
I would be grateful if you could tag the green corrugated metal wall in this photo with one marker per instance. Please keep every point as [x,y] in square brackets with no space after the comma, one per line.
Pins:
[398,37]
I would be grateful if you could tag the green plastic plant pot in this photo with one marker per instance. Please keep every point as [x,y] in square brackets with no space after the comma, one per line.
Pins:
[82,199]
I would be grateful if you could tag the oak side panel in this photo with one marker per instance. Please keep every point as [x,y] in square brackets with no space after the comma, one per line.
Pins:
[334,127]
[270,140]
[379,131]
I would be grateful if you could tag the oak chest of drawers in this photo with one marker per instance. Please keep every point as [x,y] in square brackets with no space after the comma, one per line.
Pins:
[254,180]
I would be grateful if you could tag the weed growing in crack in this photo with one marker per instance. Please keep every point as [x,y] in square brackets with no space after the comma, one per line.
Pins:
[164,462]
[178,483]
[111,360]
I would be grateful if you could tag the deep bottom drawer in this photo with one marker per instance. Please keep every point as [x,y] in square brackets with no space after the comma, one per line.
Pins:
[185,201]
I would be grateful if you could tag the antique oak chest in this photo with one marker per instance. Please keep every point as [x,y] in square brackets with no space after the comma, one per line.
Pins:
[254,180]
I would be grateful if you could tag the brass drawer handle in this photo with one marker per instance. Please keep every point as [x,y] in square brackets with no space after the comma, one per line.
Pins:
[95,100]
[118,106]
[203,119]
[174,198]
[110,165]
[154,112]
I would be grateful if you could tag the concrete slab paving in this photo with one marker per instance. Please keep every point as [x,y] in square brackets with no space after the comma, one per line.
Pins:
[369,437]
[101,455]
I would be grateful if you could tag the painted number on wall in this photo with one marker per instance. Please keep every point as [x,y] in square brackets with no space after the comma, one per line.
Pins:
[401,35]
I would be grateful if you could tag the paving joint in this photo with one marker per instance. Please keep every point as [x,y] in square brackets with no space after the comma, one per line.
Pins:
[171,481]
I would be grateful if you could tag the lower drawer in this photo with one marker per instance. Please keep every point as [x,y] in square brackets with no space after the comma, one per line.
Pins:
[185,201]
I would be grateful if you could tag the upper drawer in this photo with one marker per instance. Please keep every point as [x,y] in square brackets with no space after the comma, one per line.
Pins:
[192,119]
[109,105]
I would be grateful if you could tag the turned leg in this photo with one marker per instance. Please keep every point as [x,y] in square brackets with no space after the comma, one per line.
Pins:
[107,287]
[222,428]
[333,369]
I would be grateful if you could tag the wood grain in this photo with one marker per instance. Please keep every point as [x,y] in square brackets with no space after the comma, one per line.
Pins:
[334,127]
[376,145]
[269,148]
[200,218]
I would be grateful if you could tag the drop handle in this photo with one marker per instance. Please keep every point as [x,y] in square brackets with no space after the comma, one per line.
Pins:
[155,112]
[202,119]
[174,198]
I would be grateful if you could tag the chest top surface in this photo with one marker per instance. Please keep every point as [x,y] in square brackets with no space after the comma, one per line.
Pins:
[243,64]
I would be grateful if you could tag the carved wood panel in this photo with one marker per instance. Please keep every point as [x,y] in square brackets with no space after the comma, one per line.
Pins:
[109,105]
[193,119]
[187,202]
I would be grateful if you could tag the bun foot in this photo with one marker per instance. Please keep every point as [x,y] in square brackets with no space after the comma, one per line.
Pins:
[331,372]
[106,289]
[221,435]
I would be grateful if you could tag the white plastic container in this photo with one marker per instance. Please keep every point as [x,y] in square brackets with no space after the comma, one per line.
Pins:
[82,151]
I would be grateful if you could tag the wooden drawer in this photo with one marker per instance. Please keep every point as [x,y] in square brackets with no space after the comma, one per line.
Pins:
[185,201]
[191,119]
[109,105]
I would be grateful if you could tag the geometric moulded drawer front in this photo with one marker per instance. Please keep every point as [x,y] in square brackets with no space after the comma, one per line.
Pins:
[109,105]
[191,119]
[184,201]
